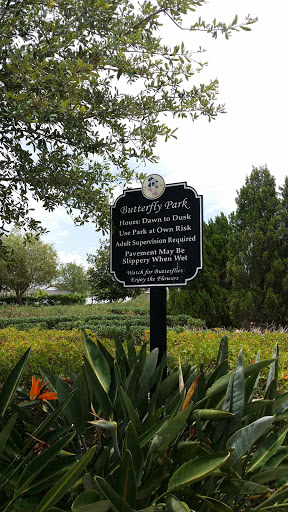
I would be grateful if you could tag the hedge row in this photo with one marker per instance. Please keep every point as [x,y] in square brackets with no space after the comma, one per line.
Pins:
[93,321]
[50,300]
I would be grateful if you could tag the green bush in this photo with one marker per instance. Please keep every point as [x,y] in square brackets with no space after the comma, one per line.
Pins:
[195,440]
[47,300]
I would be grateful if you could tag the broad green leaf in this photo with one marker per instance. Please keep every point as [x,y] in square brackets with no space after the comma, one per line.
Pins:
[130,347]
[97,362]
[147,376]
[85,498]
[215,504]
[195,470]
[126,481]
[100,395]
[270,475]
[64,484]
[238,395]
[267,449]
[51,474]
[273,371]
[255,406]
[116,501]
[242,487]
[280,404]
[211,414]
[97,506]
[174,427]
[120,352]
[152,431]
[243,439]
[184,451]
[277,458]
[223,350]
[132,414]
[10,385]
[6,431]
[221,384]
[167,387]
[175,505]
[39,463]
[132,444]
[109,358]
[48,422]
[152,484]
[160,372]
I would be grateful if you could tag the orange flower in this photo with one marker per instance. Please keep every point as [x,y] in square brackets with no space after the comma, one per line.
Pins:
[35,391]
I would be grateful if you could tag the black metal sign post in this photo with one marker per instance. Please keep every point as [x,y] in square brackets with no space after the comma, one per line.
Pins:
[157,242]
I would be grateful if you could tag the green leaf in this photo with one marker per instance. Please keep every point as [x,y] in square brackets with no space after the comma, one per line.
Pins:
[116,501]
[132,444]
[238,395]
[175,505]
[39,463]
[195,470]
[49,421]
[64,484]
[273,371]
[97,506]
[154,429]
[270,475]
[132,414]
[145,378]
[221,384]
[10,385]
[152,485]
[51,474]
[97,362]
[211,414]
[243,439]
[120,352]
[267,449]
[6,431]
[223,350]
[130,347]
[242,487]
[100,395]
[215,504]
[174,427]
[85,498]
[126,481]
[184,451]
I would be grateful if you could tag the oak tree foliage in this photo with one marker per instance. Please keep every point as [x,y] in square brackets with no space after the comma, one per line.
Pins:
[85,86]
[26,263]
[72,278]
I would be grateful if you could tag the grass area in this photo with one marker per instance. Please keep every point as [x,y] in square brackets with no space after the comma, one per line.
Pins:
[61,351]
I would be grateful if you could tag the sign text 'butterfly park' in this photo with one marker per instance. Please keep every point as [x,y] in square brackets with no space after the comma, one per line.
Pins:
[157,235]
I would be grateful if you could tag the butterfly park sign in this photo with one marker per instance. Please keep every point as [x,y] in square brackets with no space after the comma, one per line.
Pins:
[157,242]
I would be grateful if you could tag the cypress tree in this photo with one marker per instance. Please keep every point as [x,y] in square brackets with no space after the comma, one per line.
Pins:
[207,296]
[256,265]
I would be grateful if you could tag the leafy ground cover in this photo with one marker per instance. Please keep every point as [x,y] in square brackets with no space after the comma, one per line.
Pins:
[61,351]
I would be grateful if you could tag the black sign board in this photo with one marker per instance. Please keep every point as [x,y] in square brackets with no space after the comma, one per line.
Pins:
[157,242]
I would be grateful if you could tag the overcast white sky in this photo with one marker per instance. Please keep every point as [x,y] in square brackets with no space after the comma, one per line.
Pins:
[215,157]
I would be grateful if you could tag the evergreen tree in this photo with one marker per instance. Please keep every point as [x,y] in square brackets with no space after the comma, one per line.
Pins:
[102,284]
[256,266]
[207,296]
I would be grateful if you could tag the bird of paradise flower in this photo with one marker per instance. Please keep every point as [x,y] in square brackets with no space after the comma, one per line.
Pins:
[36,392]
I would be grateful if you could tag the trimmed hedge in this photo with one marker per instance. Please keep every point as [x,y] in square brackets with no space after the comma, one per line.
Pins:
[94,322]
[50,300]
